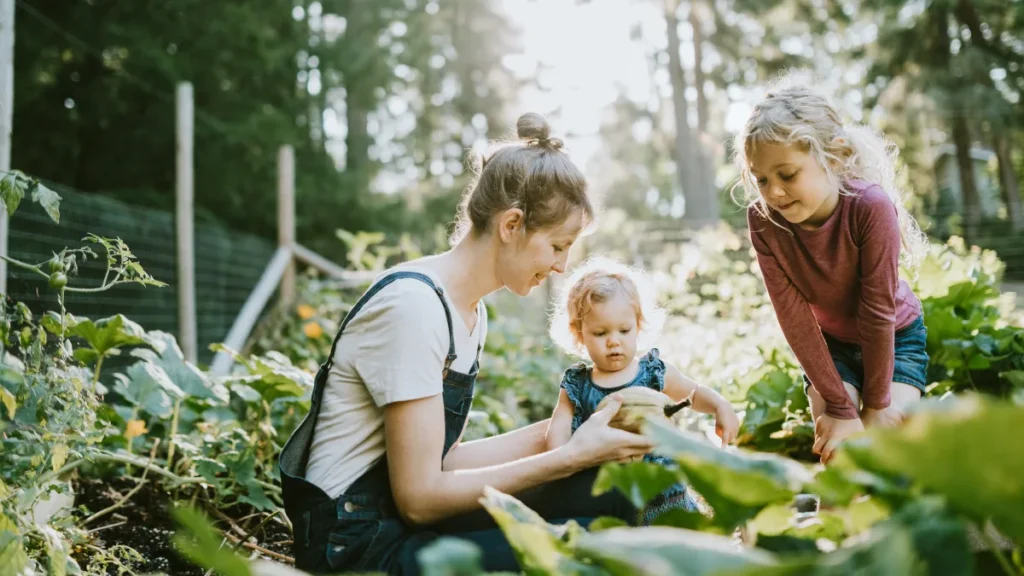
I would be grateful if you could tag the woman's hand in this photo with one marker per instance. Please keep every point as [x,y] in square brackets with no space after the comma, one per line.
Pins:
[595,442]
[829,432]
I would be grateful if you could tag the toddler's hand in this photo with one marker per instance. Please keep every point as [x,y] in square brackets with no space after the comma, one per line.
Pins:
[727,424]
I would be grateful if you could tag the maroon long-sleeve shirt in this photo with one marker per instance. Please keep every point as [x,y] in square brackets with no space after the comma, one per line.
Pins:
[843,279]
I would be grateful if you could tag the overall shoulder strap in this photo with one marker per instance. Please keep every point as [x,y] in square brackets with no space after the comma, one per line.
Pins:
[380,285]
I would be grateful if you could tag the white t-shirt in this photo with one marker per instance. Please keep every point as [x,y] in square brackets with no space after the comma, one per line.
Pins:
[393,350]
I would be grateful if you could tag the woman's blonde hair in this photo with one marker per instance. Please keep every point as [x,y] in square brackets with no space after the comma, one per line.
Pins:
[599,280]
[531,173]
[797,115]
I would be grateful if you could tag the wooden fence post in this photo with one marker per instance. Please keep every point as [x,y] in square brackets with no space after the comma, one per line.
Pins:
[184,222]
[6,117]
[286,218]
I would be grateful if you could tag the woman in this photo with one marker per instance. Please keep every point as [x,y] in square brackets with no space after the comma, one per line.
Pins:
[377,469]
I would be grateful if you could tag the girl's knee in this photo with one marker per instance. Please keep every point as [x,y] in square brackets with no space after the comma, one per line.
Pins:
[903,394]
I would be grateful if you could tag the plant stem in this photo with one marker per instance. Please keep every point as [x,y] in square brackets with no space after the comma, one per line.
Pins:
[132,492]
[38,270]
[24,266]
[173,431]
[121,459]
[96,372]
[134,415]
[996,550]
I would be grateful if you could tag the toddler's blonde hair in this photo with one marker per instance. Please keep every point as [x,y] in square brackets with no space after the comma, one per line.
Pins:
[599,280]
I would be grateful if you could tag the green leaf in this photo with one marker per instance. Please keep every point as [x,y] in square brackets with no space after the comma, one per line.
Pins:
[538,546]
[940,537]
[109,333]
[58,455]
[274,376]
[986,344]
[660,550]
[199,542]
[13,557]
[865,513]
[449,556]
[257,497]
[978,362]
[48,199]
[1016,377]
[10,192]
[880,553]
[9,402]
[58,553]
[51,322]
[834,487]
[192,381]
[605,523]
[641,482]
[208,468]
[679,518]
[970,431]
[146,386]
[737,484]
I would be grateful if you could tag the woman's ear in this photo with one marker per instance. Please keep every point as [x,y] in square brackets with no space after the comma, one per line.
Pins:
[511,224]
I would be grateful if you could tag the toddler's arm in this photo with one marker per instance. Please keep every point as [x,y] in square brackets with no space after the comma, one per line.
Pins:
[703,399]
[560,425]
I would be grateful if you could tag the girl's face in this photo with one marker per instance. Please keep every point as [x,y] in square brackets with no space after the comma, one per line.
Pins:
[793,184]
[609,333]
[524,262]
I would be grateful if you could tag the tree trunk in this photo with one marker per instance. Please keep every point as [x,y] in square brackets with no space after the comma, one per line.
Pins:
[961,135]
[701,204]
[968,187]
[706,154]
[968,16]
[358,99]
[1008,182]
[698,71]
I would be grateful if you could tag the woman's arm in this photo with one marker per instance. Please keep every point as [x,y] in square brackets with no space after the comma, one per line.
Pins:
[514,445]
[424,493]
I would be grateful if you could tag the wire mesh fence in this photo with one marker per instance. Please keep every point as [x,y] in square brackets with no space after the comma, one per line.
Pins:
[228,264]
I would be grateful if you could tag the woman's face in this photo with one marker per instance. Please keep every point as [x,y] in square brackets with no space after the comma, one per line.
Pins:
[525,260]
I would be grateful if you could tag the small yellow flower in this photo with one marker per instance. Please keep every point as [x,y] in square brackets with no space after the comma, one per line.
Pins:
[134,428]
[305,311]
[312,330]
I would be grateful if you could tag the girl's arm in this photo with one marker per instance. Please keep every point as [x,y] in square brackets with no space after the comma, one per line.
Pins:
[801,328]
[879,231]
[514,445]
[424,493]
[560,428]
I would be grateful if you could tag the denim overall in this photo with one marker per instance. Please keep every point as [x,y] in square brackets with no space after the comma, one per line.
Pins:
[361,529]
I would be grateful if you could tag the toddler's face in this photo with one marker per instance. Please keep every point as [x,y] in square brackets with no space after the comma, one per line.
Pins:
[610,332]
[793,184]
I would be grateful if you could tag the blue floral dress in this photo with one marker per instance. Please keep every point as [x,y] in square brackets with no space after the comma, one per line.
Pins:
[585,396]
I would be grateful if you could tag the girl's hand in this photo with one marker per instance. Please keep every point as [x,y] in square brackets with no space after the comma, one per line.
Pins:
[829,432]
[888,417]
[595,442]
[727,423]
